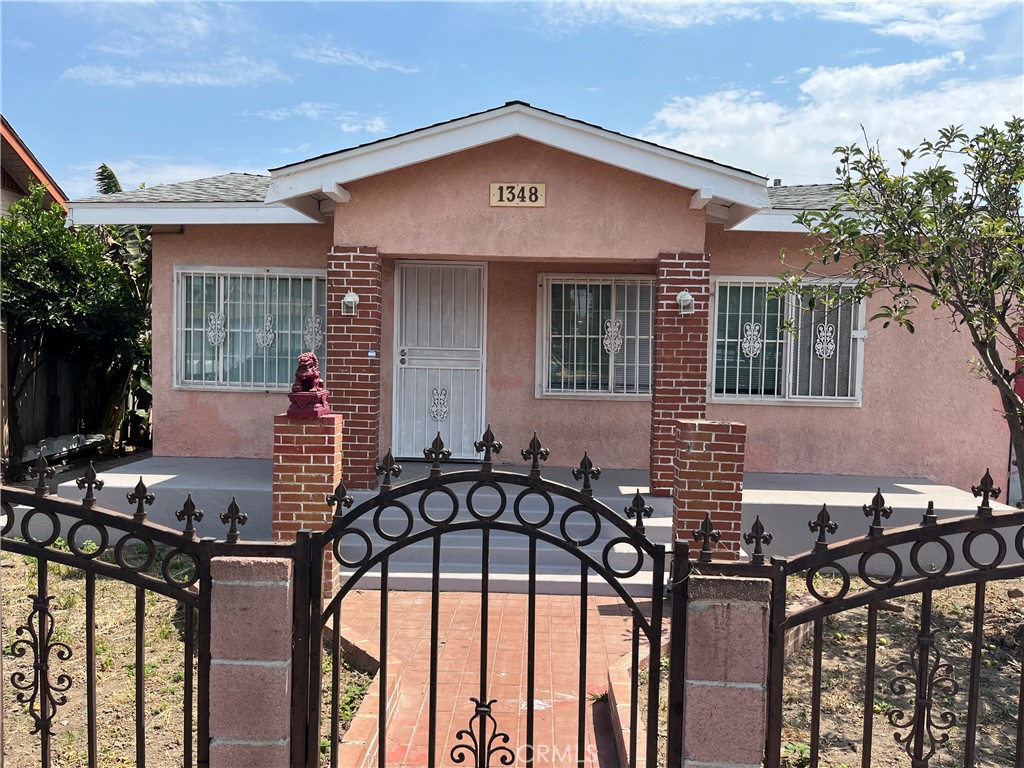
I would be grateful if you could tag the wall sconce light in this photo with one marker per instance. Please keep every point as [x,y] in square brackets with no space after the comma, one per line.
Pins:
[687,306]
[349,302]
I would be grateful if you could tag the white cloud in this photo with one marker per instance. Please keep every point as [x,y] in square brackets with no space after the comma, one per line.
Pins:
[347,121]
[363,124]
[152,170]
[952,24]
[324,52]
[645,16]
[228,71]
[20,44]
[898,106]
[302,148]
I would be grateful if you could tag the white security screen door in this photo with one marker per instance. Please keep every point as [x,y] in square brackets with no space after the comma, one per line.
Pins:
[439,358]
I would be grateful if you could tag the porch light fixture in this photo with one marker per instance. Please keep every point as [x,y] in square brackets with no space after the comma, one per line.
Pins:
[349,302]
[687,306]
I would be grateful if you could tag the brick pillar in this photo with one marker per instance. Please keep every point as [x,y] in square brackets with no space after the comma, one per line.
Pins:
[680,358]
[251,658]
[353,356]
[307,467]
[709,478]
[726,693]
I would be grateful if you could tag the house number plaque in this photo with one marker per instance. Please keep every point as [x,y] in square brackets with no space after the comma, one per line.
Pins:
[517,194]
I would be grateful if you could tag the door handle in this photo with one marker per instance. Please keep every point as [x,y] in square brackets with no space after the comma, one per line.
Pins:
[402,354]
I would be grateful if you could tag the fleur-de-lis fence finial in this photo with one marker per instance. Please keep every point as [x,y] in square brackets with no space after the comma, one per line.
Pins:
[876,510]
[190,515]
[535,453]
[638,511]
[233,518]
[386,469]
[140,497]
[706,534]
[823,524]
[987,490]
[757,536]
[436,453]
[87,484]
[339,498]
[587,472]
[930,518]
[43,472]
[488,445]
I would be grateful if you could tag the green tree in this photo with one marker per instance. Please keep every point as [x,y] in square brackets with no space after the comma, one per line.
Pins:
[64,298]
[936,238]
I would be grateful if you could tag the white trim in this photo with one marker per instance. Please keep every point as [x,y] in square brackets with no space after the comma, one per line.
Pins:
[177,302]
[744,191]
[858,337]
[186,213]
[772,221]
[541,353]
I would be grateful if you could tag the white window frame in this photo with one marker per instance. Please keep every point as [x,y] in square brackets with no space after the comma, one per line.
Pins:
[858,336]
[543,351]
[182,270]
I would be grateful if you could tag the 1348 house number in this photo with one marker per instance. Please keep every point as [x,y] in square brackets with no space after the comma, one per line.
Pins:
[517,194]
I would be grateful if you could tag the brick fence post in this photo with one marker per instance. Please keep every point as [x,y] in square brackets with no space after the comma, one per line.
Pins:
[709,479]
[679,388]
[307,468]
[727,652]
[354,356]
[250,662]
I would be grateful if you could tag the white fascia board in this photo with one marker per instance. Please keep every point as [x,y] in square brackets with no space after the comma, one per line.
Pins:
[730,185]
[771,221]
[185,213]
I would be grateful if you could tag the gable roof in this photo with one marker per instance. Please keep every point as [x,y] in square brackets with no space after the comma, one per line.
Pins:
[786,202]
[730,194]
[227,188]
[23,166]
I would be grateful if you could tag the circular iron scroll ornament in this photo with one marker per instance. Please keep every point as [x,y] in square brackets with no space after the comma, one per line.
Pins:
[443,520]
[378,523]
[74,546]
[165,569]
[564,526]
[359,534]
[897,568]
[9,518]
[915,558]
[521,516]
[843,590]
[632,570]
[969,545]
[1018,542]
[147,561]
[26,527]
[502,501]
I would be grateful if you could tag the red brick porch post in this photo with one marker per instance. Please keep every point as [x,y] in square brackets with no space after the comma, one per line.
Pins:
[680,358]
[709,479]
[353,356]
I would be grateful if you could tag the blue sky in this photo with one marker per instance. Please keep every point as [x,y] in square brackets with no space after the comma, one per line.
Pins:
[166,91]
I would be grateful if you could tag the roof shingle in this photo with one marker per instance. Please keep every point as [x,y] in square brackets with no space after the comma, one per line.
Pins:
[228,188]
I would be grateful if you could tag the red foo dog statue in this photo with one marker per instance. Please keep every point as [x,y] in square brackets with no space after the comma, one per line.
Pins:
[308,396]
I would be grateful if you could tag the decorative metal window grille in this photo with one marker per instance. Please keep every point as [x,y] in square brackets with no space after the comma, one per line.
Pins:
[598,335]
[244,329]
[768,348]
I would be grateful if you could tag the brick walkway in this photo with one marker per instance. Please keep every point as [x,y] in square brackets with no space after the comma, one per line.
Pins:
[556,671]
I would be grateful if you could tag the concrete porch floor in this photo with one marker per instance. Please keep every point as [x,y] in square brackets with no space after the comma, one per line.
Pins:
[785,502]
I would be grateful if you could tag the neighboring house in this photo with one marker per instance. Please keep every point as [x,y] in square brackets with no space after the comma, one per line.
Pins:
[19,169]
[520,268]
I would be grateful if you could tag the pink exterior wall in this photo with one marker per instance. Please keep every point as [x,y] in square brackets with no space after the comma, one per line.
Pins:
[202,423]
[923,413]
[441,208]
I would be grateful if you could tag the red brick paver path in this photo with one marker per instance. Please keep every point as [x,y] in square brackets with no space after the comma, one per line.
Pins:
[556,670]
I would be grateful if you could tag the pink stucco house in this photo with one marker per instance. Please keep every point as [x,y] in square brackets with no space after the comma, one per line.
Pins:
[524,269]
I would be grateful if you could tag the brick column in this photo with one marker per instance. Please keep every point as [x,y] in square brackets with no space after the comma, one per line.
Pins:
[251,658]
[353,356]
[709,479]
[680,358]
[307,467]
[726,693]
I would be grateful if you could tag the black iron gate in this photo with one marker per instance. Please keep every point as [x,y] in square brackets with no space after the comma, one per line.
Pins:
[429,512]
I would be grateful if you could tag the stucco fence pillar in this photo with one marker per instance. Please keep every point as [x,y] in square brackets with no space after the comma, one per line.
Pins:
[250,662]
[725,694]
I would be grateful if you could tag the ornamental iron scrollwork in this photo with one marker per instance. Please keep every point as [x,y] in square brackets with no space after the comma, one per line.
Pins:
[42,693]
[216,334]
[265,335]
[486,742]
[825,341]
[751,343]
[313,335]
[612,341]
[439,404]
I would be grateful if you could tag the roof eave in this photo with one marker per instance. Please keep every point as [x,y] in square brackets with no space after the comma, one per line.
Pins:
[779,220]
[148,214]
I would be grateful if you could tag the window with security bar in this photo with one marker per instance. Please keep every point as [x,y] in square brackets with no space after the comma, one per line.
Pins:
[598,335]
[784,349]
[244,329]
